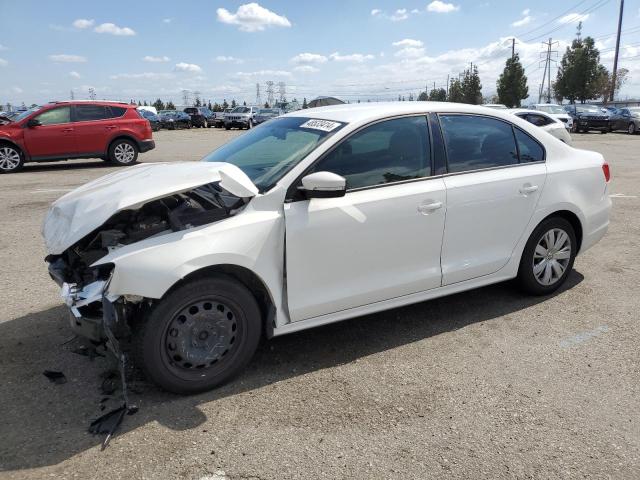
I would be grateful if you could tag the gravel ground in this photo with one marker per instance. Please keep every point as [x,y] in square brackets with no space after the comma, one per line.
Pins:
[485,384]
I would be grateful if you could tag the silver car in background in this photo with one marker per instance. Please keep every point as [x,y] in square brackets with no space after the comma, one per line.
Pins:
[240,117]
[265,114]
[556,111]
[546,122]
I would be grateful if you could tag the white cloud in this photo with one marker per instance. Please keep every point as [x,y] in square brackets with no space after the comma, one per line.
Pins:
[252,17]
[526,12]
[574,18]
[83,23]
[2,47]
[408,42]
[113,29]
[187,67]
[152,59]
[66,58]
[410,52]
[375,12]
[16,90]
[228,59]
[3,62]
[354,57]
[525,20]
[306,58]
[438,6]
[264,73]
[145,75]
[399,15]
[306,69]
[74,74]
[167,20]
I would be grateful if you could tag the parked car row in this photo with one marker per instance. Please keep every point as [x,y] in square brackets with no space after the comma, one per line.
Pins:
[580,118]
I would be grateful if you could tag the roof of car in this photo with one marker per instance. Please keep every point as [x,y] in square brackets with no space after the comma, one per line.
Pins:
[364,112]
[98,102]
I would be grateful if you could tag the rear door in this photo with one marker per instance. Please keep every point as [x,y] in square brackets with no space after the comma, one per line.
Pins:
[496,175]
[55,137]
[92,128]
[382,239]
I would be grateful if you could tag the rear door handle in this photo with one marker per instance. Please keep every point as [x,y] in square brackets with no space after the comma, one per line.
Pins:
[67,130]
[427,208]
[110,127]
[527,189]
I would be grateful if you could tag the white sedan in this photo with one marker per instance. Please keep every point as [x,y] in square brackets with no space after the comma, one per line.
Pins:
[314,217]
[546,122]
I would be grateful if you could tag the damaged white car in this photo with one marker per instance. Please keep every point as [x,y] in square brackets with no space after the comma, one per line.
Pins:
[314,217]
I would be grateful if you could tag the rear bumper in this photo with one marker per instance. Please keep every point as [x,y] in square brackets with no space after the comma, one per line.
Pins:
[146,145]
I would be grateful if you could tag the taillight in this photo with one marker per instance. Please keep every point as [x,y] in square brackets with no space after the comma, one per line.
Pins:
[606,171]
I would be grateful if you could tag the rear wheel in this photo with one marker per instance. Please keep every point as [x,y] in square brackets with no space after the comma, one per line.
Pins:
[548,257]
[632,128]
[123,152]
[11,159]
[200,335]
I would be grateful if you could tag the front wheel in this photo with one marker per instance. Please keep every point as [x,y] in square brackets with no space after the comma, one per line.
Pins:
[632,128]
[11,159]
[548,257]
[123,152]
[199,336]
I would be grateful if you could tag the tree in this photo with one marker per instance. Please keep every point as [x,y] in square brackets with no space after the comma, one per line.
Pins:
[305,105]
[266,104]
[244,104]
[455,91]
[158,104]
[209,106]
[423,97]
[471,87]
[605,80]
[170,105]
[512,84]
[225,105]
[198,102]
[580,74]
[233,103]
[437,95]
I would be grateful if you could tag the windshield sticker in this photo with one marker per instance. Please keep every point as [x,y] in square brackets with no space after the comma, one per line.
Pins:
[324,125]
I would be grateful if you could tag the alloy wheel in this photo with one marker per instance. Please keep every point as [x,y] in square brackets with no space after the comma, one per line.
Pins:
[9,159]
[124,153]
[551,256]
[632,128]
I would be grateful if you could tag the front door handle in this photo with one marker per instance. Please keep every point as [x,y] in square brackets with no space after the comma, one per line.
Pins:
[67,130]
[427,208]
[527,189]
[111,127]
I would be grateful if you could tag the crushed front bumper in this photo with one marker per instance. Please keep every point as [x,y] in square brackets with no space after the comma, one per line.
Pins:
[86,309]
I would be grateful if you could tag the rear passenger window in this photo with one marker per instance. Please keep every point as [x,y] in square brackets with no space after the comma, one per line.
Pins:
[386,152]
[539,120]
[530,150]
[475,142]
[115,112]
[85,113]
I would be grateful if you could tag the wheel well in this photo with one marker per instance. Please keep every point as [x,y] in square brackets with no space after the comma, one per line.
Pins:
[123,137]
[11,144]
[250,280]
[573,219]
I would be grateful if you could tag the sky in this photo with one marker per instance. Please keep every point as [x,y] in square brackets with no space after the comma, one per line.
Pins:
[352,49]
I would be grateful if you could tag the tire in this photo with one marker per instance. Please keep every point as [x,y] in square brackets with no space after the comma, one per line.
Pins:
[222,329]
[631,129]
[555,268]
[227,128]
[574,127]
[11,159]
[123,152]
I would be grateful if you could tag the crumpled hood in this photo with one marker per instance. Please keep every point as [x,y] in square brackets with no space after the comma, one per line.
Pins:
[86,208]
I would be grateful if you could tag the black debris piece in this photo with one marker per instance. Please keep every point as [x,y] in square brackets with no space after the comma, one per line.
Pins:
[55,377]
[109,383]
[86,351]
[109,422]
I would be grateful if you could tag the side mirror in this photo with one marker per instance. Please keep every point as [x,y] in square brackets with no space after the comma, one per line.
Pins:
[34,123]
[323,185]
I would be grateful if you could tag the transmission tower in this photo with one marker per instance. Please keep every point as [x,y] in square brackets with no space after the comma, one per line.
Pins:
[258,96]
[72,96]
[282,91]
[92,94]
[547,69]
[196,96]
[270,93]
[186,94]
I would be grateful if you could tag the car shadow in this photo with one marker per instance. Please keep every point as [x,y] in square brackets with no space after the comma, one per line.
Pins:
[65,165]
[45,424]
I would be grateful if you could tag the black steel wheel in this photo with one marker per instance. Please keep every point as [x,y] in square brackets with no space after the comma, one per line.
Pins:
[199,336]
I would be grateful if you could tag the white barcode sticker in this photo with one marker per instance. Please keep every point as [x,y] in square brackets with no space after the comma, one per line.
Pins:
[324,125]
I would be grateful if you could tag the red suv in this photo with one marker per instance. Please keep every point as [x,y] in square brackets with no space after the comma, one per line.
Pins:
[112,131]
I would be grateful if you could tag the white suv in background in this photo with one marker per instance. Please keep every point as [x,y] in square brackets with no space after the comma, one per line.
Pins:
[555,111]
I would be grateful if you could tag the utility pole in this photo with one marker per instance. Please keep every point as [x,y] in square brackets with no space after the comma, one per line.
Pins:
[513,47]
[270,93]
[447,86]
[258,96]
[615,58]
[72,95]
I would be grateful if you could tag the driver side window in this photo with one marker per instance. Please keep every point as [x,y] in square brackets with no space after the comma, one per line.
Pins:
[386,152]
[55,116]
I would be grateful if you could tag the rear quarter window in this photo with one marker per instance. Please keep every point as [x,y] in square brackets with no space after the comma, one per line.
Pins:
[115,112]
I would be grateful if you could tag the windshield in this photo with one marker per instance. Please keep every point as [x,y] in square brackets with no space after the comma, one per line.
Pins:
[589,109]
[265,154]
[240,110]
[551,109]
[267,110]
[635,111]
[25,114]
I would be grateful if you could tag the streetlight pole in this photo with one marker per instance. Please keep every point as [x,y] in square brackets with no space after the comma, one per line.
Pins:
[615,59]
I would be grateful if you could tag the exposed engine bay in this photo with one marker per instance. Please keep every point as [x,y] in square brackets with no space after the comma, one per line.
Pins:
[180,211]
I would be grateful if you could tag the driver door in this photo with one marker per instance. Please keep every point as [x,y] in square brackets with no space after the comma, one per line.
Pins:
[55,137]
[382,239]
